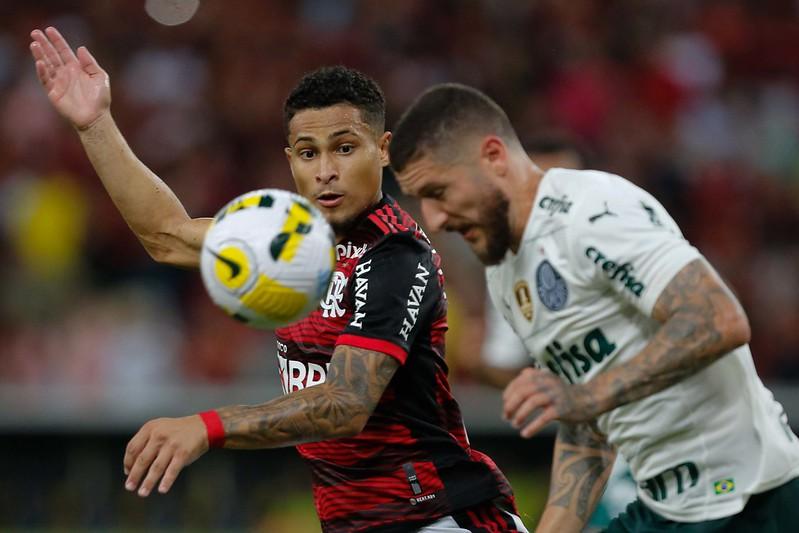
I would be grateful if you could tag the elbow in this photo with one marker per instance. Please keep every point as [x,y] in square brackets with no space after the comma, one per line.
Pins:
[736,329]
[352,426]
[741,330]
[167,250]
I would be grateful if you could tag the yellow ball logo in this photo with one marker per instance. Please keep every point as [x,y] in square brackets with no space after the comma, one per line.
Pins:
[232,267]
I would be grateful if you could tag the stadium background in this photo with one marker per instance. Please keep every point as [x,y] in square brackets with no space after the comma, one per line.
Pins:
[698,102]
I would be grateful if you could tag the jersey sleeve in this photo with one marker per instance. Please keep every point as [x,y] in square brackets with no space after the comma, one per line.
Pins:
[624,240]
[502,347]
[393,292]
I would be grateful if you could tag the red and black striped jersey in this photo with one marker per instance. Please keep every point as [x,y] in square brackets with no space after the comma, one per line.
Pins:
[412,463]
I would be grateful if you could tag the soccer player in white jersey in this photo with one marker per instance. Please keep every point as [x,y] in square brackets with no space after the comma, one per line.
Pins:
[641,347]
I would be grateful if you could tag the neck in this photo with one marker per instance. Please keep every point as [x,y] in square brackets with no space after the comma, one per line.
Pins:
[522,200]
[341,230]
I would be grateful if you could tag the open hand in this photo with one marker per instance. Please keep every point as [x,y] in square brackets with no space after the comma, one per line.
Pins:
[160,450]
[76,85]
[547,398]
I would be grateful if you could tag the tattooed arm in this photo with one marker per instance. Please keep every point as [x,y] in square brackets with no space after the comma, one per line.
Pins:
[339,407]
[581,465]
[700,320]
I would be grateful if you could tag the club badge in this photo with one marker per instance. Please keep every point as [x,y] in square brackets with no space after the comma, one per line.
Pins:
[552,289]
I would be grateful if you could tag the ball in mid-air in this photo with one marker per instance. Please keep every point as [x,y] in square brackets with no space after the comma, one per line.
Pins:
[267,258]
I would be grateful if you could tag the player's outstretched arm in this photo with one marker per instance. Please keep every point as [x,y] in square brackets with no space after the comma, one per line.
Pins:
[339,407]
[700,320]
[581,466]
[79,89]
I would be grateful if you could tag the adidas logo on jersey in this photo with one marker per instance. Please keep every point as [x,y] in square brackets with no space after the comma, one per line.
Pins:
[620,272]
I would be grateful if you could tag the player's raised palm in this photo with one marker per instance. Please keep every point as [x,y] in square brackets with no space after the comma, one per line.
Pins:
[76,85]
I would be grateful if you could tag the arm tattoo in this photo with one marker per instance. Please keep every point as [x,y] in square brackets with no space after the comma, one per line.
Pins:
[580,468]
[701,321]
[339,407]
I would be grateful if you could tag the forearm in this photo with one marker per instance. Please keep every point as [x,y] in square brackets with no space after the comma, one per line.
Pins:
[701,321]
[147,204]
[339,407]
[309,415]
[581,465]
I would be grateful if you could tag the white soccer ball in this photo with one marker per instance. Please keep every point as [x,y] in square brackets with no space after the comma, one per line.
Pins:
[267,258]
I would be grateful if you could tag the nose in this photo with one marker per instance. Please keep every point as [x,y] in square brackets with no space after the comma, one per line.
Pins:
[434,215]
[327,171]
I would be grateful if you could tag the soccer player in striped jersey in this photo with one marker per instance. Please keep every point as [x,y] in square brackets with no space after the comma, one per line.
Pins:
[641,347]
[367,402]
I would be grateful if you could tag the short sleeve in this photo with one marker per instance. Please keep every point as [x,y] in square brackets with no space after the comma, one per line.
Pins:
[502,347]
[393,293]
[625,241]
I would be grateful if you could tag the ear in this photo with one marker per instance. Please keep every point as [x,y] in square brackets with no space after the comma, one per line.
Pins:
[494,155]
[382,144]
[289,155]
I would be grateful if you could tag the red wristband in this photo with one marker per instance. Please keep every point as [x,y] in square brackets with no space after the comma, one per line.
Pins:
[214,428]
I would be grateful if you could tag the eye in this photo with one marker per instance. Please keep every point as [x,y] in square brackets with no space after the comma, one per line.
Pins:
[306,153]
[345,149]
[436,193]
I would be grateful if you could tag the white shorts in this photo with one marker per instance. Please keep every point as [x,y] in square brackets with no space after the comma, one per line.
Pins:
[449,524]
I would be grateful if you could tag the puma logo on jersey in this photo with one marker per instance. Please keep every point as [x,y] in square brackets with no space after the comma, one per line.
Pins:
[573,362]
[619,272]
[653,216]
[555,205]
[414,301]
[606,212]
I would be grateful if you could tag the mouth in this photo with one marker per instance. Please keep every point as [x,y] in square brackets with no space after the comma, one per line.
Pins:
[329,199]
[469,233]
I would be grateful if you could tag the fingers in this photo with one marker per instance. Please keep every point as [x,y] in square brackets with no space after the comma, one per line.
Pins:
[156,470]
[518,390]
[61,46]
[160,450]
[141,464]
[87,61]
[528,407]
[50,55]
[175,466]
[41,72]
[135,446]
[538,422]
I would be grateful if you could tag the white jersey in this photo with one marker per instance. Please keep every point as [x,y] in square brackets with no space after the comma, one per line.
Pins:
[595,255]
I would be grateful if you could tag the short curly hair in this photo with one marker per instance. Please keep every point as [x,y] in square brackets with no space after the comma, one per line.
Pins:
[329,86]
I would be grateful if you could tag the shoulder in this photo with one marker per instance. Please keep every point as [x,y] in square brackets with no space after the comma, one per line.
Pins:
[602,203]
[396,246]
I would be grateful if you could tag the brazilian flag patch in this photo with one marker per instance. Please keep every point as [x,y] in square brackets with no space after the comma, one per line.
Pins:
[724,486]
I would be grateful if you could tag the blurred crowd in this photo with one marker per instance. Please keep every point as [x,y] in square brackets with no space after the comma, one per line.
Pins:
[696,101]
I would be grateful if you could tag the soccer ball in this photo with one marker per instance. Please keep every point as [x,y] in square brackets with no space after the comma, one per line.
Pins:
[267,258]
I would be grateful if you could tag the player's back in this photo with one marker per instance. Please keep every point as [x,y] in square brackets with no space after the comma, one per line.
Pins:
[412,461]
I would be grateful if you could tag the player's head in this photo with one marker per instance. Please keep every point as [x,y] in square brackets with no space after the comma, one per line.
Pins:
[337,143]
[455,149]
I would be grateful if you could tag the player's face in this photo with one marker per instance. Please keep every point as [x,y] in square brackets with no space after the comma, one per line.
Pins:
[337,162]
[460,198]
